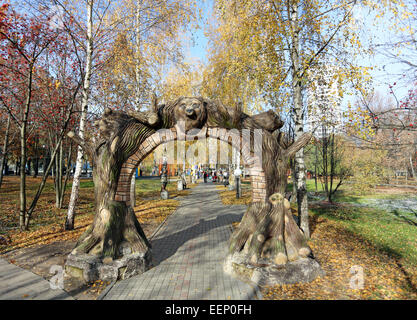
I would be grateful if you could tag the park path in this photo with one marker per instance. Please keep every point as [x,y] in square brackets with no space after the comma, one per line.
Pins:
[19,284]
[188,254]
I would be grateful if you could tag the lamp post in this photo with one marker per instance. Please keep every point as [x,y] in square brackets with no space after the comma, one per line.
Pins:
[238,185]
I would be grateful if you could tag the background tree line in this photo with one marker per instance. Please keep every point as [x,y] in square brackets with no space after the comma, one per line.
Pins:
[63,62]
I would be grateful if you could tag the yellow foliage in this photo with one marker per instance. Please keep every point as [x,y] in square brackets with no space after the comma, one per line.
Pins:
[367,167]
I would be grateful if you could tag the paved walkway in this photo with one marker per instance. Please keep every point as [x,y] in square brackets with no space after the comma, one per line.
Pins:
[19,284]
[188,253]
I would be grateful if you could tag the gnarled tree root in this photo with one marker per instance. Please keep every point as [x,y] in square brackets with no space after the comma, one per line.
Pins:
[268,234]
[113,247]
[268,248]
[114,232]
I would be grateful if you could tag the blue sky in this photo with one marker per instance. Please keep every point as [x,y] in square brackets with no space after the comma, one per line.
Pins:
[382,74]
[199,49]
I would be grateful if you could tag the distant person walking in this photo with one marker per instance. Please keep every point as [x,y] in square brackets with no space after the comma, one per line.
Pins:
[215,176]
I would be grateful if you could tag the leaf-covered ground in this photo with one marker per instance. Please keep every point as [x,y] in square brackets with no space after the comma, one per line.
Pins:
[346,236]
[47,223]
[229,197]
[338,249]
[47,243]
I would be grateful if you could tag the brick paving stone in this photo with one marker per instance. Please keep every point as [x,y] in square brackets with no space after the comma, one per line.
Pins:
[188,254]
[20,284]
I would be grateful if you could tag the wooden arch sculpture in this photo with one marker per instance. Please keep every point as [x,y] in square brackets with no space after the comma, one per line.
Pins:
[115,246]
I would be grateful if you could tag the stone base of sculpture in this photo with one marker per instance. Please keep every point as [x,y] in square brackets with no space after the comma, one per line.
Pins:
[299,271]
[90,268]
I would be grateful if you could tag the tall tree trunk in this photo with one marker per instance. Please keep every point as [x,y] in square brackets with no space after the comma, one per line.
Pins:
[36,167]
[29,165]
[325,144]
[114,222]
[67,173]
[5,146]
[412,168]
[332,166]
[69,223]
[22,192]
[315,168]
[58,177]
[23,128]
[298,114]
[137,55]
[138,86]
[17,167]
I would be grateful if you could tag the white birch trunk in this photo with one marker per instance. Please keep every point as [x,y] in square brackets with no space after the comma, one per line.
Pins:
[69,224]
[137,54]
[137,88]
[300,176]
[412,168]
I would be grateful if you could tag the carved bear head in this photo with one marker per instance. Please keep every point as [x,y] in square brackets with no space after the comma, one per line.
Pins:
[191,111]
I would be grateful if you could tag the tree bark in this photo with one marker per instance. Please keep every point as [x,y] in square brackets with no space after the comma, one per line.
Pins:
[137,54]
[25,114]
[315,167]
[69,223]
[298,114]
[114,222]
[5,147]
[412,168]
[58,176]
[267,234]
[67,174]
[138,84]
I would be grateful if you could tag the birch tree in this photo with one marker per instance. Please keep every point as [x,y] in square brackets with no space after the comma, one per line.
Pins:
[69,222]
[285,39]
[89,26]
[149,39]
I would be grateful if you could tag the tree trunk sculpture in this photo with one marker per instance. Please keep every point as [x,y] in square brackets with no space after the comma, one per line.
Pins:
[267,234]
[114,222]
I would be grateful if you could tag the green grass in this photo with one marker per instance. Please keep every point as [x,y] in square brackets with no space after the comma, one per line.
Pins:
[386,232]
[391,231]
[311,187]
[148,187]
[152,187]
[144,187]
[84,183]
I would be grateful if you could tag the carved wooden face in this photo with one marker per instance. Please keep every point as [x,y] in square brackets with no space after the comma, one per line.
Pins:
[192,111]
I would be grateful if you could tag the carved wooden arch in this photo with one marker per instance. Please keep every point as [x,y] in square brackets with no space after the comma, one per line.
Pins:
[267,234]
[256,173]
